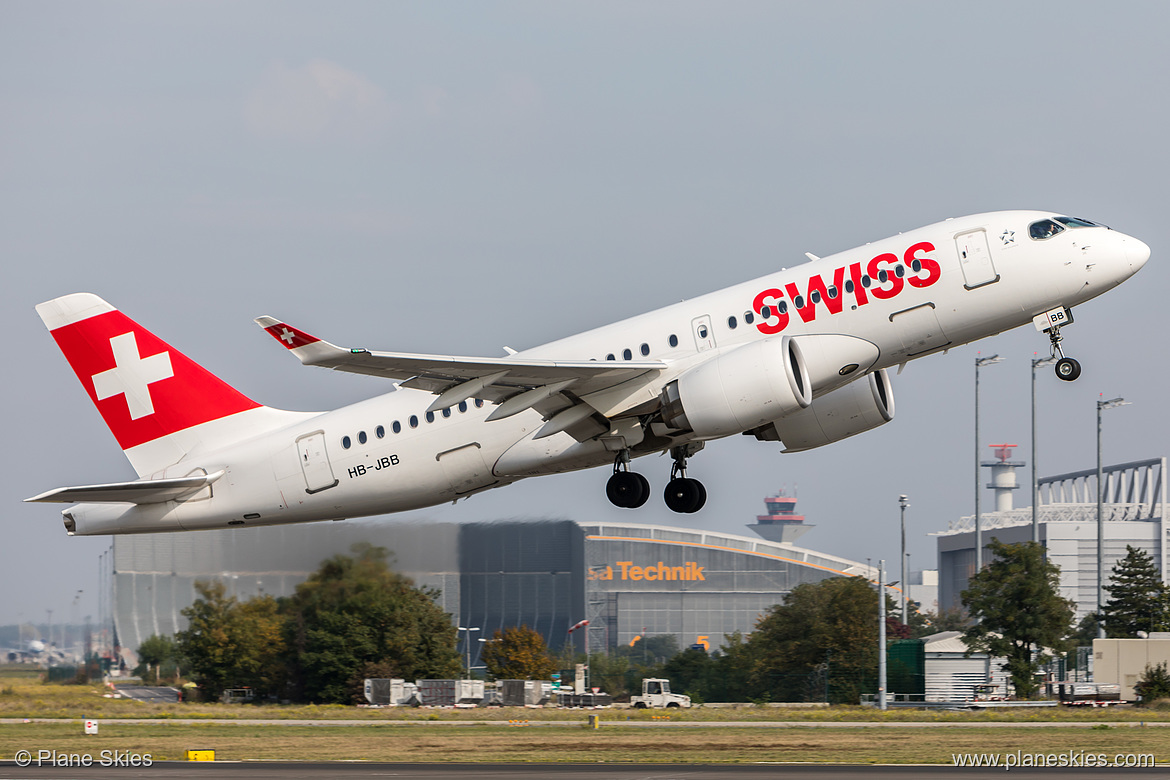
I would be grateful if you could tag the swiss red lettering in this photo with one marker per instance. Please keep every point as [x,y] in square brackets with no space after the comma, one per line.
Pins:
[928,265]
[765,326]
[929,272]
[874,270]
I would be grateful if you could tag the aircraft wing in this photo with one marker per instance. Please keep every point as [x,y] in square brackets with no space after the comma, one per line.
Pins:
[458,378]
[148,491]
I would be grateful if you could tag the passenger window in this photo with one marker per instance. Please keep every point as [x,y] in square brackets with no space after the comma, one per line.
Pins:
[345,442]
[782,307]
[447,412]
[478,403]
[610,356]
[832,292]
[916,266]
[731,323]
[361,437]
[673,340]
[883,276]
[645,350]
[1043,229]
[396,427]
[865,281]
[766,312]
[816,296]
[799,302]
[414,421]
[380,432]
[430,417]
[462,407]
[849,284]
[900,271]
[748,317]
[627,355]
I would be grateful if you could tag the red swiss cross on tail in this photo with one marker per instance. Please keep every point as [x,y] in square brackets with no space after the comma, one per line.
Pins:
[144,388]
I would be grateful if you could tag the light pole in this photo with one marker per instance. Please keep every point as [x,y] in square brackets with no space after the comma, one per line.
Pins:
[1036,363]
[467,645]
[1101,406]
[881,635]
[979,363]
[903,503]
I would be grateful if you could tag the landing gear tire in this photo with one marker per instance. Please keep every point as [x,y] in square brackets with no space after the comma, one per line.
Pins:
[685,495]
[627,489]
[1067,369]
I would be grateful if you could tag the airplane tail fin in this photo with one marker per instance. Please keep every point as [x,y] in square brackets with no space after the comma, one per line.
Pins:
[159,404]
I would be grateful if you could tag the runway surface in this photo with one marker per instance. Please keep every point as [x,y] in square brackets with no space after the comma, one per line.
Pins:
[178,770]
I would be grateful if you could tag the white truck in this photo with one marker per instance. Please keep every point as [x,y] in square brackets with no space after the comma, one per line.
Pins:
[656,693]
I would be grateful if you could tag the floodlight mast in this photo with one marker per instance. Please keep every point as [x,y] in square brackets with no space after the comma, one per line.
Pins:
[979,363]
[1112,403]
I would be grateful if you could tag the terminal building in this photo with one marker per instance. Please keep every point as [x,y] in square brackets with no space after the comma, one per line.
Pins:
[625,579]
[1134,513]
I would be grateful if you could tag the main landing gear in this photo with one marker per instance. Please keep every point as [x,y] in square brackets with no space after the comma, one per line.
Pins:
[1067,368]
[626,488]
[630,490]
[682,493]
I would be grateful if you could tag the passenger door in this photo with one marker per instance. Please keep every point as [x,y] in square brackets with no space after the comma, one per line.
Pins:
[975,259]
[315,462]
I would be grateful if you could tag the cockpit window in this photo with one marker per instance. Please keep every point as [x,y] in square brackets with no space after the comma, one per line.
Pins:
[1043,229]
[1076,222]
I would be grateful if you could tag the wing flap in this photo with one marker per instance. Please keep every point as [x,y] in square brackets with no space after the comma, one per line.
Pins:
[150,491]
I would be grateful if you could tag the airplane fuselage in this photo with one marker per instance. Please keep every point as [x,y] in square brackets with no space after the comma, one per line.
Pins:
[903,297]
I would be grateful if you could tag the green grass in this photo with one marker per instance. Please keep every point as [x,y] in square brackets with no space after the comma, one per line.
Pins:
[576,744]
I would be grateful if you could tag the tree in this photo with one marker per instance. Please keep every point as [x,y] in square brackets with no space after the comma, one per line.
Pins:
[154,651]
[1154,684]
[231,645]
[1016,603]
[353,612]
[823,638]
[1138,600]
[518,653]
[954,619]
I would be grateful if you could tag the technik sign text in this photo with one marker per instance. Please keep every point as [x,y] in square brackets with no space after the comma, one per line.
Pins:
[689,572]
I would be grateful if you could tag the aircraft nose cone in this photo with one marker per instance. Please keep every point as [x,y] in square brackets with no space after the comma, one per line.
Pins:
[1137,251]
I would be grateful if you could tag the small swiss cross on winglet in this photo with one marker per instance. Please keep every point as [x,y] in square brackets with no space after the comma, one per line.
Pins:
[286,334]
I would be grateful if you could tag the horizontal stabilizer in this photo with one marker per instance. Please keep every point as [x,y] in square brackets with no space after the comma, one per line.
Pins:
[150,491]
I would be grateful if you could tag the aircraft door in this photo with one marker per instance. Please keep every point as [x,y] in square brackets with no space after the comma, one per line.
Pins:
[975,259]
[315,462]
[704,336]
[466,468]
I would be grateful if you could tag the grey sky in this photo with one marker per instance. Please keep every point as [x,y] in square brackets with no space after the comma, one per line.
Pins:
[455,177]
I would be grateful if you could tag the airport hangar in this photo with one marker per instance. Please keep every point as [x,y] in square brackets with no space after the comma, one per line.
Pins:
[625,579]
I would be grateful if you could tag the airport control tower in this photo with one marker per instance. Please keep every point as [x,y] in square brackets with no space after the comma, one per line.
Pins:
[1003,475]
[781,524]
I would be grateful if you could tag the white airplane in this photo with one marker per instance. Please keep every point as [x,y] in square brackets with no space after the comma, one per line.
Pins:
[798,356]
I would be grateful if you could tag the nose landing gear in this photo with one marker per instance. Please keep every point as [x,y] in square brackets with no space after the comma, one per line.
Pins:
[1067,368]
[683,494]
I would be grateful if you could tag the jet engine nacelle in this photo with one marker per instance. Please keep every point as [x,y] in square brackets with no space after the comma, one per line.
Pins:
[858,407]
[739,390]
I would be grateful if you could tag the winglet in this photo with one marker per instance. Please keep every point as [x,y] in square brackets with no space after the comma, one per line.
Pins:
[311,350]
[286,334]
